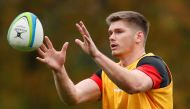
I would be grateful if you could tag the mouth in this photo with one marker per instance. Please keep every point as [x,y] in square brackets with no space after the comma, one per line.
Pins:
[113,46]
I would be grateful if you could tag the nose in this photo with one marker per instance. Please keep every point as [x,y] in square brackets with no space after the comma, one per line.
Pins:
[112,37]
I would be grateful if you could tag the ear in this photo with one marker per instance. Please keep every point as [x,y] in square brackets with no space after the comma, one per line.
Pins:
[139,37]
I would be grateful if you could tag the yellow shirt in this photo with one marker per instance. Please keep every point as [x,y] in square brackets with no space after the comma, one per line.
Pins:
[115,98]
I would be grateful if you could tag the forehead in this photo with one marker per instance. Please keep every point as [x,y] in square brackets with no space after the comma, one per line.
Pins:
[120,24]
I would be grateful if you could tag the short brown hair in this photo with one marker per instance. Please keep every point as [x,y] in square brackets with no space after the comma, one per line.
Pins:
[131,17]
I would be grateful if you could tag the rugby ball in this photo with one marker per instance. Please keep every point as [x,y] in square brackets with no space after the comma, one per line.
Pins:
[25,32]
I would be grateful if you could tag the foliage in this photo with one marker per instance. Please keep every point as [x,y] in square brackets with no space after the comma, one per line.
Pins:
[28,84]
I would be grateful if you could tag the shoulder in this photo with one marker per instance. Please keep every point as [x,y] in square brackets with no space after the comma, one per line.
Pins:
[160,66]
[154,61]
[99,73]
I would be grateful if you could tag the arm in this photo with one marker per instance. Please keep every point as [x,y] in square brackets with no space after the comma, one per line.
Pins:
[86,90]
[130,81]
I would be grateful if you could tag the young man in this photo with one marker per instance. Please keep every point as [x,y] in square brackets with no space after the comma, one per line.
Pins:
[139,81]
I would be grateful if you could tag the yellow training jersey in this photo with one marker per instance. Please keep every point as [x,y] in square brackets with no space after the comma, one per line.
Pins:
[115,98]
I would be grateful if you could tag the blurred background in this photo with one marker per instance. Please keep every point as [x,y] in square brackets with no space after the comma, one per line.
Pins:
[26,83]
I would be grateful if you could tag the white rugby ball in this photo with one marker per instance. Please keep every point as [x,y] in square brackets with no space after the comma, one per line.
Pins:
[26,32]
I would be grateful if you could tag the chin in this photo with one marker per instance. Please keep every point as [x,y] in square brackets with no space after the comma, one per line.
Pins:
[115,54]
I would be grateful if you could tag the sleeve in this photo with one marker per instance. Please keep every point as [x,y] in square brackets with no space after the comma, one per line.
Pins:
[156,69]
[152,73]
[97,77]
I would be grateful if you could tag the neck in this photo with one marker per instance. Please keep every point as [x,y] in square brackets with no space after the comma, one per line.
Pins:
[131,57]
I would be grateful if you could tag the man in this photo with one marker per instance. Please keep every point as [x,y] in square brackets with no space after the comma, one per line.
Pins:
[139,81]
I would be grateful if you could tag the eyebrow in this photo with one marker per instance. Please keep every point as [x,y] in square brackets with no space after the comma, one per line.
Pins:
[115,29]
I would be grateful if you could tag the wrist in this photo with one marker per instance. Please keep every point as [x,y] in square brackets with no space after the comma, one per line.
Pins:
[59,70]
[97,55]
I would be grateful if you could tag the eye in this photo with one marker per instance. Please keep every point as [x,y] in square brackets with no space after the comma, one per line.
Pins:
[110,33]
[119,31]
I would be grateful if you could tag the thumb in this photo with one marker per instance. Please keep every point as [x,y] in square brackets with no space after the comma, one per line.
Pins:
[65,46]
[79,43]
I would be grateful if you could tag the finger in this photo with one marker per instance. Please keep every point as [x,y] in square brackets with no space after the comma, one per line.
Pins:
[81,31]
[41,60]
[87,39]
[65,46]
[43,48]
[40,52]
[79,42]
[48,42]
[84,29]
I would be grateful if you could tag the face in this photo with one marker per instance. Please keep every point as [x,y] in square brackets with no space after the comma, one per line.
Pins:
[122,38]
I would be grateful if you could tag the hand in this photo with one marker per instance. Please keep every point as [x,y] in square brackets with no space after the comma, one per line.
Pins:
[87,45]
[54,59]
